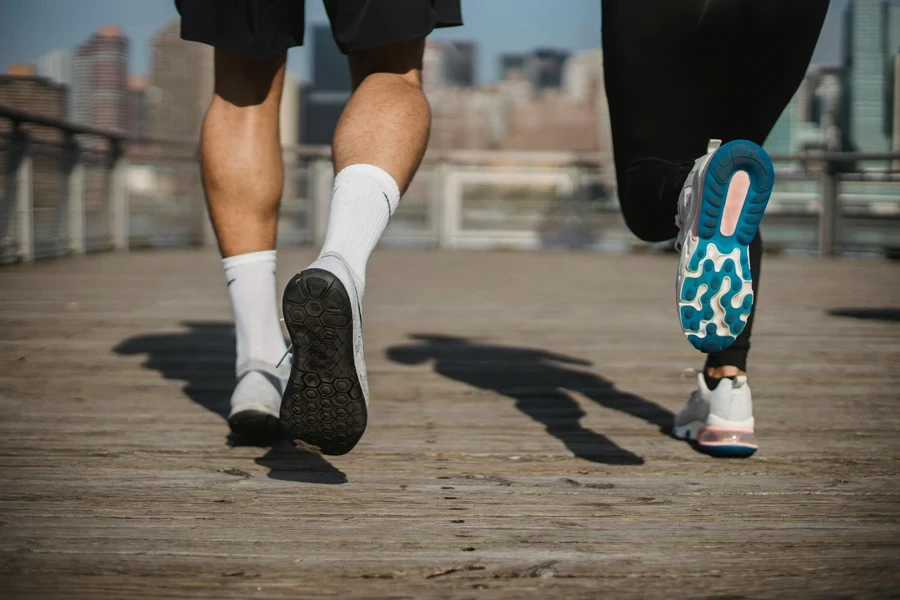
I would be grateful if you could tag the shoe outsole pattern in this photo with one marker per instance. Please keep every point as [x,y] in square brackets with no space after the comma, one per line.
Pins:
[323,403]
[255,426]
[716,296]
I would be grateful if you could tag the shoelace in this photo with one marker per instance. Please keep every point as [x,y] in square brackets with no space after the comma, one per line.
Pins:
[289,351]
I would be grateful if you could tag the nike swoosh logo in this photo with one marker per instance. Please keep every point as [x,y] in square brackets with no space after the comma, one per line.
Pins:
[388,200]
[231,281]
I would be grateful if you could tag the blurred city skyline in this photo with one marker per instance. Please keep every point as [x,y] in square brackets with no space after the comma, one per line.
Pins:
[546,95]
[487,24]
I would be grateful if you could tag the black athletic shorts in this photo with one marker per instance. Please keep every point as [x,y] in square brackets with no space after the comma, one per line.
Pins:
[256,29]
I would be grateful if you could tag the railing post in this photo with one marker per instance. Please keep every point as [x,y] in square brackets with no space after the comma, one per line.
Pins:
[322,180]
[25,202]
[829,214]
[450,209]
[118,197]
[74,196]
[436,202]
[208,237]
[9,205]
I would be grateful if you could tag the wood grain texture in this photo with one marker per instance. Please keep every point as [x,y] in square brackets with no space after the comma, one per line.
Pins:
[515,445]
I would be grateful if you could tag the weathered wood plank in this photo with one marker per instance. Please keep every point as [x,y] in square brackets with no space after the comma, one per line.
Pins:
[117,480]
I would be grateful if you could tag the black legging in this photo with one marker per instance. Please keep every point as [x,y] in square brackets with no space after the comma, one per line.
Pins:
[679,72]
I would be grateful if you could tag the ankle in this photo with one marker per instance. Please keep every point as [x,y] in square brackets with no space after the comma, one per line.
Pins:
[724,371]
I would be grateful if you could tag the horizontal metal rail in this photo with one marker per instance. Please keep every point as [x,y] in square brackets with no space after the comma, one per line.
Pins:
[436,208]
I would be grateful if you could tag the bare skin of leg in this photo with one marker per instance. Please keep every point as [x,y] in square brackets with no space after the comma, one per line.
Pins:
[727,371]
[387,120]
[240,152]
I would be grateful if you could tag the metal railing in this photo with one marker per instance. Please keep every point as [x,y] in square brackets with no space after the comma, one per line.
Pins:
[71,189]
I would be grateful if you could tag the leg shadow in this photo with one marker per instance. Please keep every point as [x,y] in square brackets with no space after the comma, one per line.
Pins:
[538,381]
[889,315]
[203,357]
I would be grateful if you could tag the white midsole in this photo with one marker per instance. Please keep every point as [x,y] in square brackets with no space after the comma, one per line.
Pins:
[693,428]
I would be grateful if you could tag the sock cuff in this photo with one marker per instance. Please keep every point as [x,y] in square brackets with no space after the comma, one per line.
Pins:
[264,256]
[382,178]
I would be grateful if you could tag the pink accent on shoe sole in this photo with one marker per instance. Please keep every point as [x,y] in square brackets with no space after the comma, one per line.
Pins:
[734,202]
[717,435]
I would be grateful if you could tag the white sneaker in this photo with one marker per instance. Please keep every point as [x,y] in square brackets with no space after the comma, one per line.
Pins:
[256,400]
[327,395]
[719,210]
[720,421]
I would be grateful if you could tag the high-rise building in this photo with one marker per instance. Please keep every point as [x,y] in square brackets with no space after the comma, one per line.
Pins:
[459,64]
[583,81]
[182,79]
[545,68]
[811,119]
[137,106]
[512,66]
[872,38]
[56,66]
[781,138]
[100,80]
[433,67]
[330,90]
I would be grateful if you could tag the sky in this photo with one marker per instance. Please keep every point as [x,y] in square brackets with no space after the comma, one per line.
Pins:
[30,28]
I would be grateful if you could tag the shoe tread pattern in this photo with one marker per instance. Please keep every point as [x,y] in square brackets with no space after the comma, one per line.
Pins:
[323,402]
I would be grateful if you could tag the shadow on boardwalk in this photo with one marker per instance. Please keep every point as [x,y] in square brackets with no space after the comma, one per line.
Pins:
[539,381]
[203,357]
[888,315]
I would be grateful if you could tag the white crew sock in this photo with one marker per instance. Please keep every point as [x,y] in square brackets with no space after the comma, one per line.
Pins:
[363,200]
[251,283]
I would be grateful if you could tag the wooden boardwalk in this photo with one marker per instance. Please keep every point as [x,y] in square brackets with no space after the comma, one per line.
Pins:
[514,448]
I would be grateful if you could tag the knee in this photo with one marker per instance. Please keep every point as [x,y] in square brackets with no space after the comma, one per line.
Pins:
[401,61]
[646,226]
[242,82]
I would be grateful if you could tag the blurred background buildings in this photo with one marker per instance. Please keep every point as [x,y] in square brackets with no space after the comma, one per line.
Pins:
[546,100]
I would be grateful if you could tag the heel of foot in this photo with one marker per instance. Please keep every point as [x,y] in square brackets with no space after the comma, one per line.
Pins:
[744,156]
[727,441]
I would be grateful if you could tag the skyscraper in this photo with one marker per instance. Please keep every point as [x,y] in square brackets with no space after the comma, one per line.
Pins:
[781,138]
[137,106]
[182,80]
[433,72]
[56,66]
[872,38]
[329,92]
[459,64]
[100,78]
[583,81]
[545,68]
[512,66]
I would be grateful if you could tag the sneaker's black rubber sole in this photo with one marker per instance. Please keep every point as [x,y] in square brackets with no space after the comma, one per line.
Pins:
[255,426]
[323,404]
